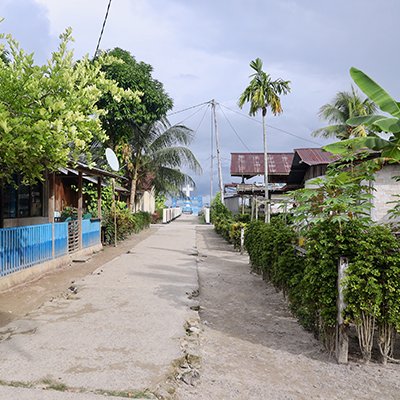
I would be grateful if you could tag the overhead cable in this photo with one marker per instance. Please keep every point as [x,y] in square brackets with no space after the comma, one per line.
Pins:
[189,108]
[102,28]
[234,130]
[272,127]
[191,115]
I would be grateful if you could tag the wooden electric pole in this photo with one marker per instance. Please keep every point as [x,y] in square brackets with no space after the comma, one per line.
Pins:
[221,184]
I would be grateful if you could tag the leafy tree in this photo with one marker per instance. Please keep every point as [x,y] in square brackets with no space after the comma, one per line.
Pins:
[49,113]
[263,93]
[390,147]
[343,195]
[157,154]
[344,106]
[124,117]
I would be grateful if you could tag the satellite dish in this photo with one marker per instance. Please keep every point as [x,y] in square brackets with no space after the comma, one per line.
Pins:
[112,159]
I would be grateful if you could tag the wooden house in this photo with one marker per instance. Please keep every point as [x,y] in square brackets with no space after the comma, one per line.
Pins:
[31,228]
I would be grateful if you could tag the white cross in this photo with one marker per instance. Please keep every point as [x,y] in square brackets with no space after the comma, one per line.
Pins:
[187,190]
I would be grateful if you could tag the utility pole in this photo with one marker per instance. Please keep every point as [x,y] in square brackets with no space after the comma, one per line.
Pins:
[211,159]
[221,184]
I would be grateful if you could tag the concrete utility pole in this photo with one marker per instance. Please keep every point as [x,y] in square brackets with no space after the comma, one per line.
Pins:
[221,184]
[211,159]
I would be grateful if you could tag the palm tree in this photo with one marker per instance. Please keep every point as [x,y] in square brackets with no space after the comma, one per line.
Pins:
[263,93]
[156,152]
[345,105]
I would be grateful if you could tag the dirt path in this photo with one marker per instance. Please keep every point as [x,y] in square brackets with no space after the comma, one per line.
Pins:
[252,348]
[19,301]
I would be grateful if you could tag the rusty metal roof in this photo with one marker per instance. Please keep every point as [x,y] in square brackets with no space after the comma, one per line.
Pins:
[316,156]
[252,164]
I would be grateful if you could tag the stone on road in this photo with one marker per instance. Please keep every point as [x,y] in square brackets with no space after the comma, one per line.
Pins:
[118,329]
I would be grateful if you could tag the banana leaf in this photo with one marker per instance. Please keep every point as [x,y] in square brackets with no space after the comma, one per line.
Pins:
[377,94]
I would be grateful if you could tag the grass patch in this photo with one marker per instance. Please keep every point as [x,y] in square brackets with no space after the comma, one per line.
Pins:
[129,394]
[54,385]
[51,384]
[16,384]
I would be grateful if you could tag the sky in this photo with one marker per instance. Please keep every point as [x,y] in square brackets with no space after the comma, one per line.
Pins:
[201,50]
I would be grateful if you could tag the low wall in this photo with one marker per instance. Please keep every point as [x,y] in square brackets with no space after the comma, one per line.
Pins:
[34,272]
[169,214]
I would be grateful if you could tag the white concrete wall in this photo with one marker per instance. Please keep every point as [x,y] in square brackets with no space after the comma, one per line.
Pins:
[385,189]
[147,202]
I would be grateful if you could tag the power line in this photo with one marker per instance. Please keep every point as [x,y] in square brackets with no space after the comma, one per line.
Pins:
[202,119]
[189,108]
[234,130]
[190,116]
[102,28]
[272,127]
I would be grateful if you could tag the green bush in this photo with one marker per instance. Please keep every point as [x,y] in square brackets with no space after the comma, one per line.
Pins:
[127,223]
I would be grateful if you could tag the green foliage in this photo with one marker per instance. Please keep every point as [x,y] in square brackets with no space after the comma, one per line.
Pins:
[225,224]
[263,92]
[344,106]
[123,116]
[89,191]
[341,196]
[69,212]
[127,223]
[326,243]
[389,147]
[219,210]
[372,283]
[221,217]
[163,155]
[49,114]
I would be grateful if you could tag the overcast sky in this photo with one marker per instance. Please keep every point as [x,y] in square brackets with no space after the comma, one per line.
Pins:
[200,50]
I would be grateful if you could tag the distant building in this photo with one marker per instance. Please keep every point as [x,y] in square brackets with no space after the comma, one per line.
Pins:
[291,171]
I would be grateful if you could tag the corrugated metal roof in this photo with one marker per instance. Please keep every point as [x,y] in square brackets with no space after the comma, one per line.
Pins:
[316,156]
[252,164]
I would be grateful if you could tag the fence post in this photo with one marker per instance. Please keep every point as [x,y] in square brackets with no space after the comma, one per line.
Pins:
[241,240]
[342,339]
[207,215]
[51,209]
[256,205]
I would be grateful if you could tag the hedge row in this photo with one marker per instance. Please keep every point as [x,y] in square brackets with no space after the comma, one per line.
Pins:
[309,281]
[226,224]
[127,223]
[372,283]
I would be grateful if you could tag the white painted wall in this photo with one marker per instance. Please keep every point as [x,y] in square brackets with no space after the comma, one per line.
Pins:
[147,202]
[385,189]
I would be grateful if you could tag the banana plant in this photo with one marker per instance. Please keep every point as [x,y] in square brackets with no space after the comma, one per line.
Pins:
[390,124]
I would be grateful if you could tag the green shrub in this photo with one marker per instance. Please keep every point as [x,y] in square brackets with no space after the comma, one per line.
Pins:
[127,223]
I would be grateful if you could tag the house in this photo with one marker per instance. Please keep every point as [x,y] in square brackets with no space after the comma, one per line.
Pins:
[291,171]
[31,230]
[248,166]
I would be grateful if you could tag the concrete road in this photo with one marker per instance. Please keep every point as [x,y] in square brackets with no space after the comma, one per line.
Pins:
[117,333]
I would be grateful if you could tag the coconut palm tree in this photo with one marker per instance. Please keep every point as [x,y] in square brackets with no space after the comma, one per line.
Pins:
[345,105]
[156,153]
[263,93]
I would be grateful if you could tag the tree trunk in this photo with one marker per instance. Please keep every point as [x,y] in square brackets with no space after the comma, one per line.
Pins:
[133,190]
[266,191]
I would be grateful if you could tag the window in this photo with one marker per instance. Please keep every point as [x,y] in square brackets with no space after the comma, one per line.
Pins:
[23,202]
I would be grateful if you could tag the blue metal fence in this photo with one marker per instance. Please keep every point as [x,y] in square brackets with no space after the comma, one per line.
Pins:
[90,232]
[60,239]
[24,246]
